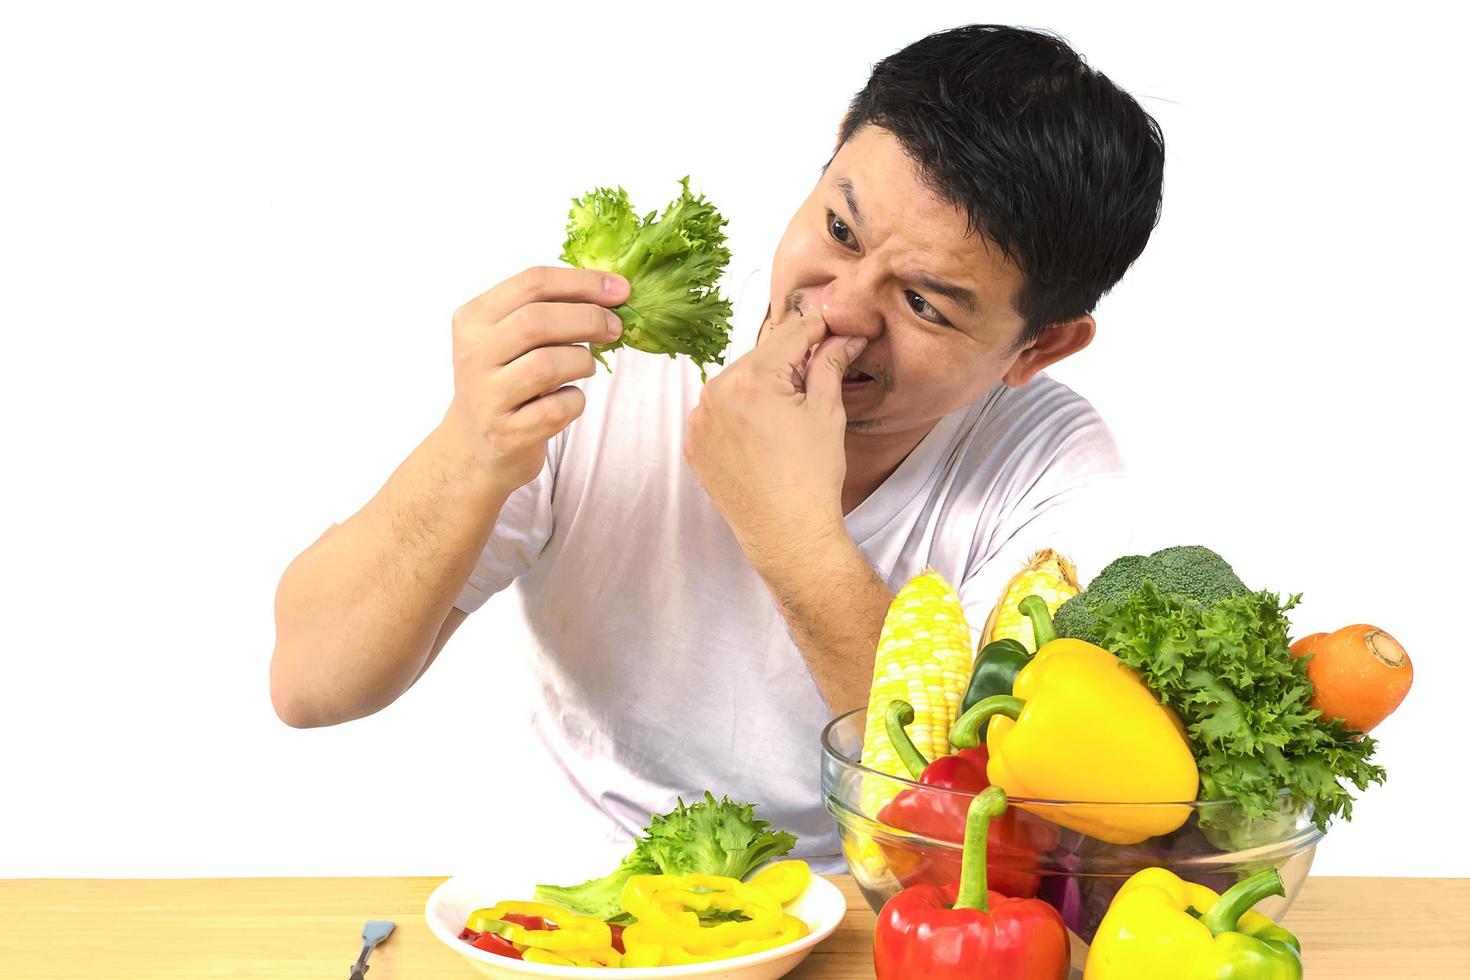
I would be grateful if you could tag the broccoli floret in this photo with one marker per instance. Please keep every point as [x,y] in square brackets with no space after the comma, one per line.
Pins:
[1195,572]
[1075,620]
[1120,579]
[1190,571]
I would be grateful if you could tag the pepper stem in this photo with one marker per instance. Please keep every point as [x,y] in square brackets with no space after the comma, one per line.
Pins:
[965,732]
[1225,915]
[1034,606]
[974,890]
[901,713]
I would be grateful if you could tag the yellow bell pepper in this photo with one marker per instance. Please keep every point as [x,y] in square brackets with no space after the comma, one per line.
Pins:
[1148,932]
[1081,726]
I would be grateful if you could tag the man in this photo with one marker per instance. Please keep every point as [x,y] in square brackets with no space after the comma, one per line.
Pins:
[705,568]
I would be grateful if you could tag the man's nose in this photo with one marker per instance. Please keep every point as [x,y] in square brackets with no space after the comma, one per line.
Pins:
[848,309]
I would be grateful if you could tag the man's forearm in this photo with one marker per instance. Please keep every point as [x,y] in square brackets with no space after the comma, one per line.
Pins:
[834,604]
[357,613]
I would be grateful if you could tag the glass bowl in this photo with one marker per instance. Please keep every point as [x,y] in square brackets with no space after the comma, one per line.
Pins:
[1050,849]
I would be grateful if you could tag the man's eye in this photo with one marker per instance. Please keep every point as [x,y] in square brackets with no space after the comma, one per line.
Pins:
[839,231]
[923,307]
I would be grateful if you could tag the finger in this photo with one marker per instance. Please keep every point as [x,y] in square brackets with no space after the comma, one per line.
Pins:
[545,284]
[827,366]
[787,343]
[548,325]
[544,417]
[543,370]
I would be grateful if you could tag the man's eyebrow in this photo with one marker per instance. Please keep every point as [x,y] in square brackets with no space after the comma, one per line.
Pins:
[959,294]
[845,186]
[964,297]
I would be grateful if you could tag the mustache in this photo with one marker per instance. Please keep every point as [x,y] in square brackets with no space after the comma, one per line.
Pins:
[877,372]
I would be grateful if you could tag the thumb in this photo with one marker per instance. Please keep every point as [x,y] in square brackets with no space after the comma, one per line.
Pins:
[827,366]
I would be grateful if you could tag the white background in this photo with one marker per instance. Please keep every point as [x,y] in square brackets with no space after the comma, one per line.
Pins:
[232,238]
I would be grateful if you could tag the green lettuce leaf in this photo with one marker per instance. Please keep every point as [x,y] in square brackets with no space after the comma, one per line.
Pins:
[1244,700]
[673,262]
[714,837]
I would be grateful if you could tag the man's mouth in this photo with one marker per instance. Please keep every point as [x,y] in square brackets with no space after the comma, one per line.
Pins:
[856,378]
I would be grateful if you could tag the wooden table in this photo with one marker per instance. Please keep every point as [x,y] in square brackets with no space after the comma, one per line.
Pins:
[157,929]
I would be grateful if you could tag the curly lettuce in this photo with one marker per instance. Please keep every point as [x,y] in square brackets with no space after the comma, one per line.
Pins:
[1244,699]
[672,261]
[709,836]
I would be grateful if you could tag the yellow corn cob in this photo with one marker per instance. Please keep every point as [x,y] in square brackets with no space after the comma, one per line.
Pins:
[924,658]
[1046,574]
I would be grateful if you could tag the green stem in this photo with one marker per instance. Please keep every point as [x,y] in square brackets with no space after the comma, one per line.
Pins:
[974,890]
[901,713]
[1034,606]
[965,732]
[1226,913]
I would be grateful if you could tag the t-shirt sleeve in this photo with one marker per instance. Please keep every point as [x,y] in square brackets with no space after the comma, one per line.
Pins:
[520,535]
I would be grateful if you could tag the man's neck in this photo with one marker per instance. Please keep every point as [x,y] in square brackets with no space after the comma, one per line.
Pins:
[872,458]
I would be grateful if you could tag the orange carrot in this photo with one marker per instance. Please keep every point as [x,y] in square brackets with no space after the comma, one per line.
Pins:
[1359,674]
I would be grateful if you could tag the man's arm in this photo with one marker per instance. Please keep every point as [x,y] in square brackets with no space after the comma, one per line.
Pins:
[361,613]
[754,419]
[834,604]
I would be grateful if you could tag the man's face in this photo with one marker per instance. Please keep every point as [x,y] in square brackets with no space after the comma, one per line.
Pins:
[878,254]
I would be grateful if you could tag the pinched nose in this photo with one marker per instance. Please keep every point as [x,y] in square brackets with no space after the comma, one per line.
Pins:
[846,309]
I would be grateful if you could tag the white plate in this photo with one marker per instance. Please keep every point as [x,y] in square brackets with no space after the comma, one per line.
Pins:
[821,907]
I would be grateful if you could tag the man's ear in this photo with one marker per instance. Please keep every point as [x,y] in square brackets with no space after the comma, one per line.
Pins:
[1056,342]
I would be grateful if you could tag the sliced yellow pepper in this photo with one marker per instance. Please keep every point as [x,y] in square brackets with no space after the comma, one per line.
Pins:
[784,881]
[608,957]
[669,932]
[791,928]
[573,932]
[640,952]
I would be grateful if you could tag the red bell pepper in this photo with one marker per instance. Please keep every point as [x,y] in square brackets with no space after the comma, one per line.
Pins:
[965,931]
[941,815]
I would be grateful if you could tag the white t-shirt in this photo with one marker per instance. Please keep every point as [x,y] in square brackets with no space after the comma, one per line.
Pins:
[660,666]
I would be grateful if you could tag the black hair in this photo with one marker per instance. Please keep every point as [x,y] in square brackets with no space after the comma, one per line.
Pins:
[1048,158]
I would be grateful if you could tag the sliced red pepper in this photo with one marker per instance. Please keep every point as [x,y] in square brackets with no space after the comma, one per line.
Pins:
[490,943]
[617,938]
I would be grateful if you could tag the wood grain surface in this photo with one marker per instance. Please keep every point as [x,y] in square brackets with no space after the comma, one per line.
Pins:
[300,928]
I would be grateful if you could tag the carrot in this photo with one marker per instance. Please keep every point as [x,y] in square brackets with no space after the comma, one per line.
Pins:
[1359,674]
